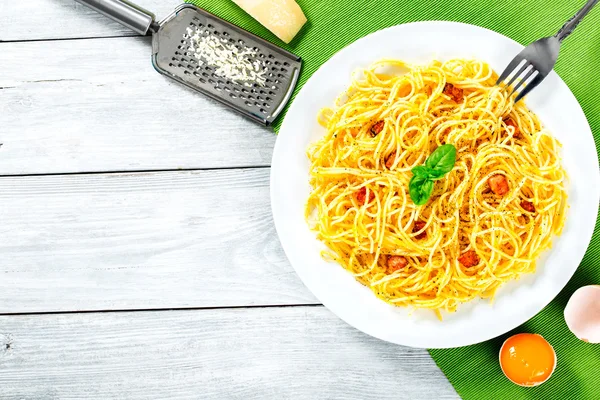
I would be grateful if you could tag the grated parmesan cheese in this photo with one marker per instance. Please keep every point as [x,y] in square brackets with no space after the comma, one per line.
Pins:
[230,61]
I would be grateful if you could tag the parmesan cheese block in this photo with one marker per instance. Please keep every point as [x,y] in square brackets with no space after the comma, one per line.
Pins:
[282,17]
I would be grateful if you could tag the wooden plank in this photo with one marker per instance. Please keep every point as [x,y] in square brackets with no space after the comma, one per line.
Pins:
[98,105]
[141,241]
[273,353]
[59,19]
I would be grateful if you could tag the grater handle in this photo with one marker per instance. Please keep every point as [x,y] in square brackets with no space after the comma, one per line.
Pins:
[128,14]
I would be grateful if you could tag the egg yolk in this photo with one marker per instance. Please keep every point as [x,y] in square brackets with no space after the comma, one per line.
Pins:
[527,359]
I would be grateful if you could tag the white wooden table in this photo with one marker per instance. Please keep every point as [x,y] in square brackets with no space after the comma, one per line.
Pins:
[138,257]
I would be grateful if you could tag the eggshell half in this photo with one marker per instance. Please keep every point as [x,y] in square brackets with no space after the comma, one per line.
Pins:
[582,313]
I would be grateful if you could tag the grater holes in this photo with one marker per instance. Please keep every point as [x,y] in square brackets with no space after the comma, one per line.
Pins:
[277,63]
[271,93]
[262,110]
[271,56]
[268,99]
[283,70]
[286,64]
[267,105]
[209,26]
[232,95]
[203,80]
[248,104]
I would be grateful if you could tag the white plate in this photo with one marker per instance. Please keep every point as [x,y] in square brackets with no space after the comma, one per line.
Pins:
[474,322]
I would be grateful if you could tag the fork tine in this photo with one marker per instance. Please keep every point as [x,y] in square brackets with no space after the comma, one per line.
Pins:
[534,82]
[522,81]
[518,73]
[511,67]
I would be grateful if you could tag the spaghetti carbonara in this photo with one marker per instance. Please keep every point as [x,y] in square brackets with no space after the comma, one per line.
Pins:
[486,221]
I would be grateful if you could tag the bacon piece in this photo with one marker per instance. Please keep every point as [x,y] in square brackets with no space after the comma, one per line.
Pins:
[418,225]
[361,195]
[498,184]
[527,206]
[455,93]
[510,122]
[377,127]
[389,161]
[395,263]
[469,259]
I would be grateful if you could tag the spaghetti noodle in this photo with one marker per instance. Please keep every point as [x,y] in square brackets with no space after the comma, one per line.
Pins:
[487,220]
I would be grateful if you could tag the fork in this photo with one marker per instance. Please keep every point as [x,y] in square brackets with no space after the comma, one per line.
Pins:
[537,60]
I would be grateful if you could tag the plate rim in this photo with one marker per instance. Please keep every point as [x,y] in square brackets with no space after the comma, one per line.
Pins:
[587,236]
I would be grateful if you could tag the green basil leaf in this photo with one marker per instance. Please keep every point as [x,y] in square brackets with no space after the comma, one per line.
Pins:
[420,189]
[435,174]
[421,171]
[441,161]
[427,189]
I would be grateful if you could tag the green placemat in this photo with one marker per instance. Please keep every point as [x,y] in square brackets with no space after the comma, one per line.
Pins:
[333,24]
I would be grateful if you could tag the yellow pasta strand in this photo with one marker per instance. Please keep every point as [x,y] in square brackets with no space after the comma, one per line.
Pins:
[492,136]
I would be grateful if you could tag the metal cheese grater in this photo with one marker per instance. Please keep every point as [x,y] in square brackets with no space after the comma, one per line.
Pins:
[174,55]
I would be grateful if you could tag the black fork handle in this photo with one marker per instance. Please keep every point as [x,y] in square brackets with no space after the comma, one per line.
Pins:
[571,24]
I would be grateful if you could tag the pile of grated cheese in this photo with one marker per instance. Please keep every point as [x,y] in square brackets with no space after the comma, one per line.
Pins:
[230,62]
